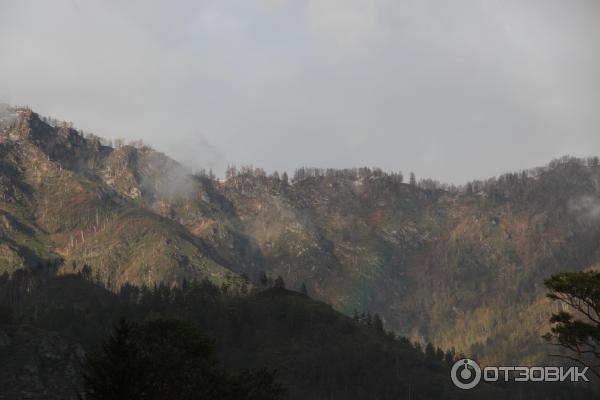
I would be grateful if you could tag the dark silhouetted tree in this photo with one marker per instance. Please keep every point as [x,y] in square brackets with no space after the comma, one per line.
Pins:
[412,180]
[449,357]
[303,289]
[86,272]
[279,282]
[263,279]
[430,351]
[579,333]
[377,323]
[167,359]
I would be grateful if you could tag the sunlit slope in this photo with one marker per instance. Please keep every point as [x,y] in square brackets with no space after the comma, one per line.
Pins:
[462,269]
[57,205]
[459,269]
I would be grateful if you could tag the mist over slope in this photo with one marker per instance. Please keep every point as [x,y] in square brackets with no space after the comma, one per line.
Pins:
[460,268]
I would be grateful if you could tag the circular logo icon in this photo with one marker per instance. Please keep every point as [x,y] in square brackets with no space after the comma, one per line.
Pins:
[465,373]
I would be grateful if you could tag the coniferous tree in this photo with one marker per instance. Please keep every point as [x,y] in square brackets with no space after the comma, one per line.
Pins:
[167,359]
[86,272]
[430,351]
[279,282]
[377,323]
[303,289]
[413,179]
[263,279]
[449,357]
[439,354]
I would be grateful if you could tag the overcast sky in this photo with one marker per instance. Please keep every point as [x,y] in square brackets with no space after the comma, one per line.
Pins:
[452,90]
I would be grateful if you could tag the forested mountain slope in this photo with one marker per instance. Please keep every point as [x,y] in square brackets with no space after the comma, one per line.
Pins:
[316,352]
[460,268]
[63,196]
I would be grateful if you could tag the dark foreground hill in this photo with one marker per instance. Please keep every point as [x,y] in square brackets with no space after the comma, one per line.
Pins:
[459,268]
[317,352]
[38,364]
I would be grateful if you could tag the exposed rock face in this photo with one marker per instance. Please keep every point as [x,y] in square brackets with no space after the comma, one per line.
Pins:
[35,364]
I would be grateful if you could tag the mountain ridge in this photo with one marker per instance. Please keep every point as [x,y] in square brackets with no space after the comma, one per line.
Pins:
[462,268]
